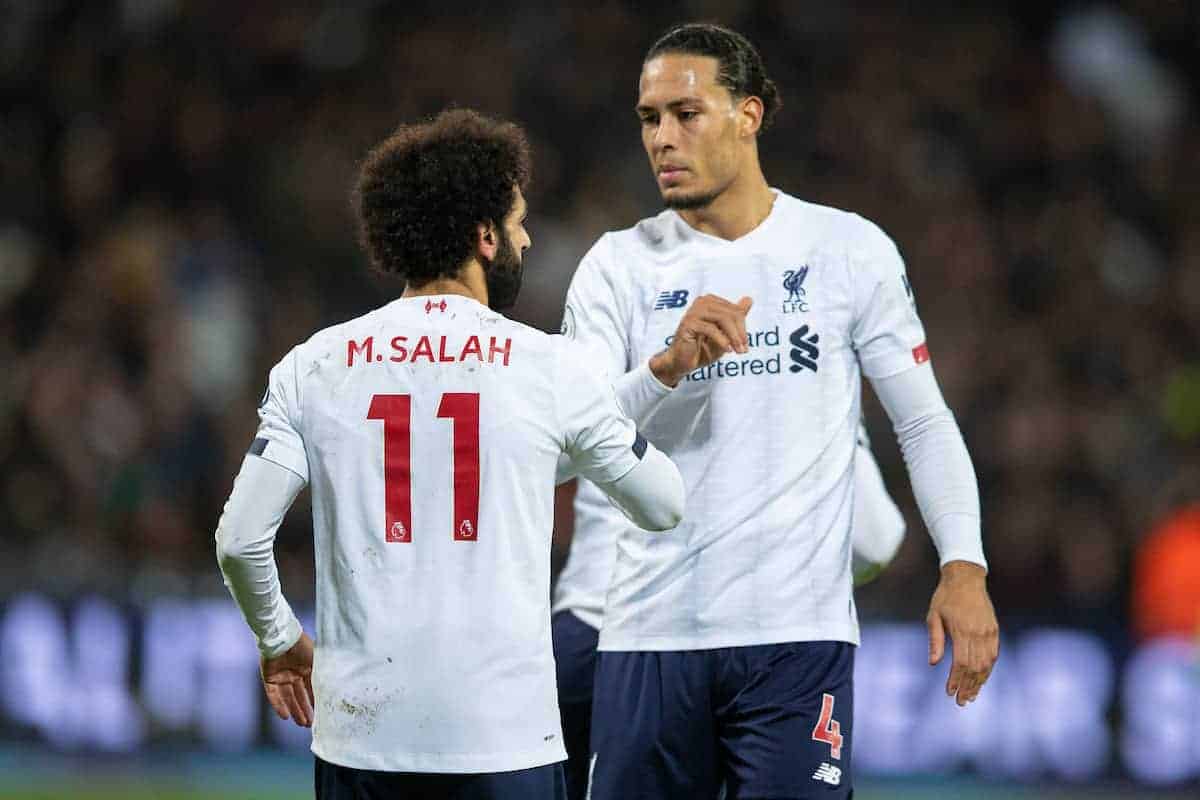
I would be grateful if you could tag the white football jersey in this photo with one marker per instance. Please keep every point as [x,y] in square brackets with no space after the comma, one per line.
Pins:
[765,441]
[583,581]
[429,430]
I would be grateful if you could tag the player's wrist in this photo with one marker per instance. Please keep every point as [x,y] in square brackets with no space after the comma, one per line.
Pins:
[963,571]
[664,369]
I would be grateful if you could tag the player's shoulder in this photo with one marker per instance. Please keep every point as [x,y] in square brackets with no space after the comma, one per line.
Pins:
[830,222]
[647,239]
[843,236]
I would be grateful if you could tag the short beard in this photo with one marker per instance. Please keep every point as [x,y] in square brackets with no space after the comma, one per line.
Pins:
[688,202]
[502,274]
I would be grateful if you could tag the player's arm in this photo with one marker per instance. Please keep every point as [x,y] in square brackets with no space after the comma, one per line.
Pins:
[602,444]
[597,316]
[878,524]
[890,343]
[271,476]
[262,494]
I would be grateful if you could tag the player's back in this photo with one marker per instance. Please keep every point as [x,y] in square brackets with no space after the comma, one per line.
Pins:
[432,427]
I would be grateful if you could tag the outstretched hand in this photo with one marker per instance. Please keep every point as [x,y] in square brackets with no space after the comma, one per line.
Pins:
[711,327]
[961,608]
[287,680]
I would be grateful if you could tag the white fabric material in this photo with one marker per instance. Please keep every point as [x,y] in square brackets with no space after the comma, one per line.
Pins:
[877,534]
[765,441]
[434,654]
[640,393]
[262,494]
[651,494]
[878,524]
[943,478]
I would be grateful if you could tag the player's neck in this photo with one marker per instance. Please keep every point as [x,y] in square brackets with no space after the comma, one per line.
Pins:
[469,283]
[739,209]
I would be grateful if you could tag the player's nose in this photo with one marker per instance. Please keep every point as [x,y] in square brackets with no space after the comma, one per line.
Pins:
[665,134]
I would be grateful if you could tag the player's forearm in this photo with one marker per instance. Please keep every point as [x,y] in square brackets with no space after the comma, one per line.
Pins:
[939,467]
[640,393]
[245,538]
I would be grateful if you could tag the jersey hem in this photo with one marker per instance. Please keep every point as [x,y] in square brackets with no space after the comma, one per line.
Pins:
[615,641]
[590,617]
[464,764]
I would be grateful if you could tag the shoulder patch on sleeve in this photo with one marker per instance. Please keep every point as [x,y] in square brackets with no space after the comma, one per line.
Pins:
[258,446]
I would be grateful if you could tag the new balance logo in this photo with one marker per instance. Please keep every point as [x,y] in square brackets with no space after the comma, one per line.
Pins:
[675,299]
[804,349]
[828,773]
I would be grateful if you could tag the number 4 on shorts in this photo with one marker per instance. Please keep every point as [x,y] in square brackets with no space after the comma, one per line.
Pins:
[828,729]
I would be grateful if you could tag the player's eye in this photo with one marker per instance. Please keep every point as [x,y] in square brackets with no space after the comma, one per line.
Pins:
[649,119]
[684,116]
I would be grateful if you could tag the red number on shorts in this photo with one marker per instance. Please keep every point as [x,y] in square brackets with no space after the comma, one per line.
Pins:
[395,411]
[828,729]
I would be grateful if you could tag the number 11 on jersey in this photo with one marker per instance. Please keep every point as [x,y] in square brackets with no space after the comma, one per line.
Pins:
[395,411]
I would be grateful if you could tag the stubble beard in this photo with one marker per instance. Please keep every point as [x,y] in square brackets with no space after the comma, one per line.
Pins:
[687,202]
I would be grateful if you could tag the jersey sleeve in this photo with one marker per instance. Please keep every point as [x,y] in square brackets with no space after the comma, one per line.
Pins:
[278,438]
[886,334]
[601,442]
[597,311]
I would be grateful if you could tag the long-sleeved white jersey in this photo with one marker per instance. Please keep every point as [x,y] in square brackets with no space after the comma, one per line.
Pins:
[765,440]
[580,588]
[429,431]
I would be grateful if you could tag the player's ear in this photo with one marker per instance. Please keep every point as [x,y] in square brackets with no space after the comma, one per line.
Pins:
[749,116]
[487,240]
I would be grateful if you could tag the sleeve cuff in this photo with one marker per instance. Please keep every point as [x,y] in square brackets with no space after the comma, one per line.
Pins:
[652,382]
[639,392]
[284,639]
[957,538]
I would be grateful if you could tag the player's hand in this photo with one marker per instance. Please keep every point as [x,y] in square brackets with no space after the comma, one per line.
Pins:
[961,607]
[287,680]
[710,328]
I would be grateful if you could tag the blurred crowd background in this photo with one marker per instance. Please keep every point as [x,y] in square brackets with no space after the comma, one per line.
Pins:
[175,215]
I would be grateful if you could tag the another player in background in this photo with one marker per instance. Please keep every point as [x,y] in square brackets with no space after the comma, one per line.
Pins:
[430,430]
[726,649]
[578,606]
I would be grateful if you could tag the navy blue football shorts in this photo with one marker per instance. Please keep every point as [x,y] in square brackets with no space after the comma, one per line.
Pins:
[764,722]
[575,660]
[334,782]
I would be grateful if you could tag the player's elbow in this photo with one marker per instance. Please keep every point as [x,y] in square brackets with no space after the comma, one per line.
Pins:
[651,495]
[666,512]
[230,549]
[233,549]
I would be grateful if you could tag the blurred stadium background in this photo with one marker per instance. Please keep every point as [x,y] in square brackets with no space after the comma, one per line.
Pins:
[174,216]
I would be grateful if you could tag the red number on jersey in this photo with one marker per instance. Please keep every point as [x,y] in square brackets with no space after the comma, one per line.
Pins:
[395,410]
[464,410]
[828,729]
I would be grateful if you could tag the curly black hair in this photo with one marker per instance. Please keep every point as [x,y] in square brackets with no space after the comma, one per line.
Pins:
[739,66]
[424,190]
